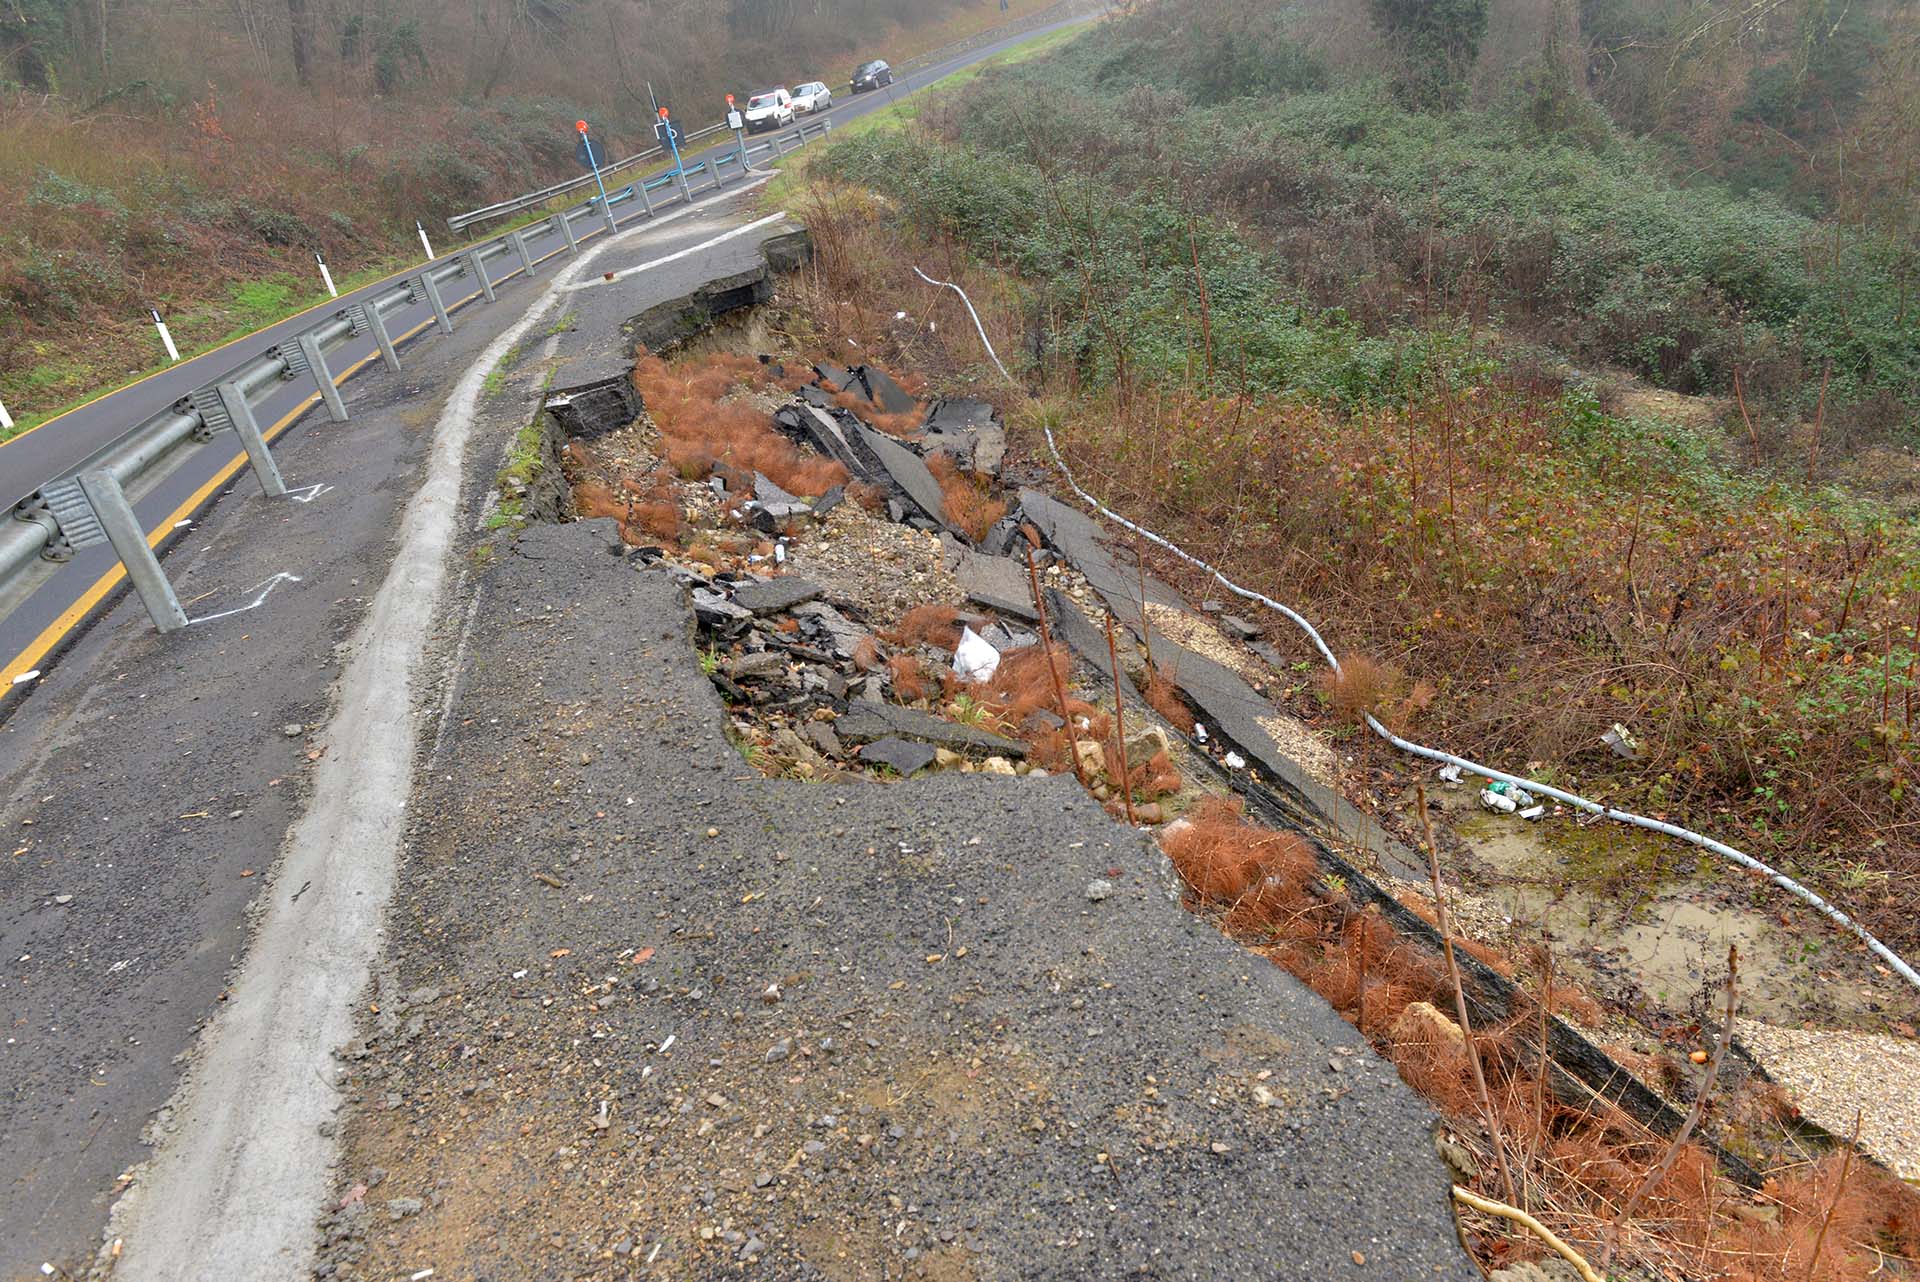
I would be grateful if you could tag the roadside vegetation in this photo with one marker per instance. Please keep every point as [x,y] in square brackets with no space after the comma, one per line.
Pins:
[159,156]
[1385,352]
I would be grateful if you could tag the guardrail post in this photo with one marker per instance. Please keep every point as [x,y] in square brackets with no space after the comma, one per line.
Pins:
[519,242]
[774,142]
[322,377]
[472,259]
[377,326]
[686,193]
[606,216]
[713,167]
[265,470]
[565,225]
[432,291]
[646,201]
[129,540]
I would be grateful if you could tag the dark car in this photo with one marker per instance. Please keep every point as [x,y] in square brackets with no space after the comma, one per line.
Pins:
[872,75]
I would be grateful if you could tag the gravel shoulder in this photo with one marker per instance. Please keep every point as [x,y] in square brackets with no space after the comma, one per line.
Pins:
[650,1012]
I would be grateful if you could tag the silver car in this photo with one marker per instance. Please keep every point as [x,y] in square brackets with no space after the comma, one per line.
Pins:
[812,96]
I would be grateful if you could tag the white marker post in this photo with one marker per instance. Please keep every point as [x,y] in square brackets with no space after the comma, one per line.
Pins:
[173,353]
[326,275]
[424,242]
[6,419]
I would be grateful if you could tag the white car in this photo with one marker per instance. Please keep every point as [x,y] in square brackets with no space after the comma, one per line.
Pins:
[812,96]
[769,109]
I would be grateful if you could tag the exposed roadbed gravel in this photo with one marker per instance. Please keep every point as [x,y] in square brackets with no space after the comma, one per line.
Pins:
[659,1015]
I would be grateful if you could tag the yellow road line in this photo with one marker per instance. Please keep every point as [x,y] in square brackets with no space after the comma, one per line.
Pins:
[71,617]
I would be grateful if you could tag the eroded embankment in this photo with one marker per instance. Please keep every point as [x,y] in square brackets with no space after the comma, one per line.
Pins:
[833,634]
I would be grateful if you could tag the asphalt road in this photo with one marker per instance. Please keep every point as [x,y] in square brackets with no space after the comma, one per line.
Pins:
[147,789]
[34,634]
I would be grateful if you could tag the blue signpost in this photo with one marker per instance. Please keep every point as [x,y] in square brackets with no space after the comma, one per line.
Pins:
[586,157]
[671,136]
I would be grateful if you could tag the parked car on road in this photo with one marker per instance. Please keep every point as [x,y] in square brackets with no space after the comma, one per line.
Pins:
[769,109]
[812,96]
[872,75]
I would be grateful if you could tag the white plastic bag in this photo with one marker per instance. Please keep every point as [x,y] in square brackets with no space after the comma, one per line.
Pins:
[973,658]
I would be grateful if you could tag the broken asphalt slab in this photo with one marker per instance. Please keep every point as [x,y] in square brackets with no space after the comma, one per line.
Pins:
[860,1031]
[1220,698]
[775,596]
[865,722]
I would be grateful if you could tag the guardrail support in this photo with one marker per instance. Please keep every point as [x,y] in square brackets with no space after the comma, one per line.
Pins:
[432,291]
[265,470]
[377,326]
[479,269]
[606,216]
[565,225]
[686,192]
[322,377]
[129,540]
[646,201]
[774,142]
[519,242]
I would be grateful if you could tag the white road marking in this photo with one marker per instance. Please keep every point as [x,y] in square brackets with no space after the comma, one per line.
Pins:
[308,494]
[264,590]
[675,257]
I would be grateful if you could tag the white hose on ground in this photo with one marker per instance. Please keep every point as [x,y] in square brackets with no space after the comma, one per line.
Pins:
[1744,860]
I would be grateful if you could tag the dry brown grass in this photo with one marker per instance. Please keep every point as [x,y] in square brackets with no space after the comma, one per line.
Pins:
[911,683]
[703,432]
[967,500]
[937,625]
[1577,1166]
[1163,696]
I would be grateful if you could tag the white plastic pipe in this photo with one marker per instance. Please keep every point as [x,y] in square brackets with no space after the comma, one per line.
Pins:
[424,242]
[327,276]
[1744,860]
[173,353]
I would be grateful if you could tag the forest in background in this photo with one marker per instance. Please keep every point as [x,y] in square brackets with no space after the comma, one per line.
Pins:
[194,156]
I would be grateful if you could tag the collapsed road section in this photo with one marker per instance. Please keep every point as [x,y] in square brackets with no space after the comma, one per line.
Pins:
[659,1004]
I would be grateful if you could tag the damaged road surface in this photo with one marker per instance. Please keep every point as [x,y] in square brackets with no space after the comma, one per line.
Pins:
[652,1014]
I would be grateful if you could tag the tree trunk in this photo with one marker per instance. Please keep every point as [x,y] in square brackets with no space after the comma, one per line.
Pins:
[301,26]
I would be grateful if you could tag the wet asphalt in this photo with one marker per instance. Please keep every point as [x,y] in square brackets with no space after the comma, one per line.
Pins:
[152,779]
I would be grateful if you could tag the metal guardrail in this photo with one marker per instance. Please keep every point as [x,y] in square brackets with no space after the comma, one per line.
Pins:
[88,504]
[460,222]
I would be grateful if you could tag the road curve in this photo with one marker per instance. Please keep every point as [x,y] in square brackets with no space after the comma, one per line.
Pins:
[33,636]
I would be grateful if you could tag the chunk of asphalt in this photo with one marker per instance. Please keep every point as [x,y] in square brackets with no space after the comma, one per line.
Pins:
[840,632]
[814,426]
[1076,536]
[825,739]
[757,667]
[999,583]
[873,721]
[905,756]
[767,492]
[838,377]
[907,471]
[816,396]
[775,596]
[1081,636]
[717,614]
[1238,628]
[829,501]
[883,391]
